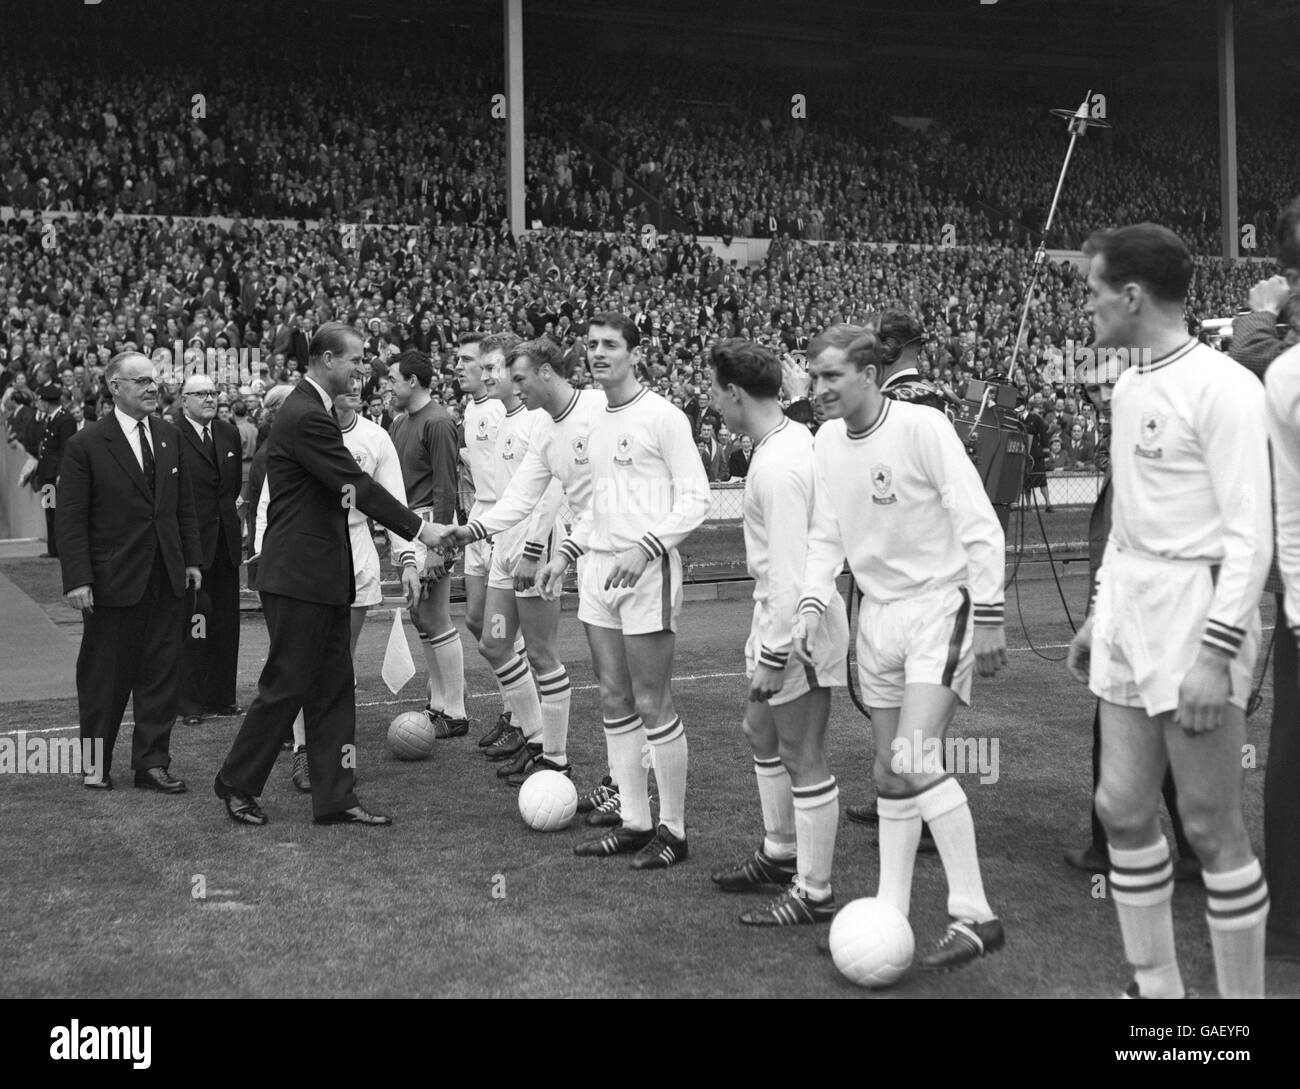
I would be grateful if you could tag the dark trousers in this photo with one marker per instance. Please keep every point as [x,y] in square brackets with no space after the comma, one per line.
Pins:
[130,651]
[210,655]
[1282,788]
[1168,789]
[51,541]
[308,666]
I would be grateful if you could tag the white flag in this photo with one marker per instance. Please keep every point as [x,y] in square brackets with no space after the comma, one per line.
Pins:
[399,666]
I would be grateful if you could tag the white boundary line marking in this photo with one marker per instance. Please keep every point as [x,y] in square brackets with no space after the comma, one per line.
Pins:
[487,695]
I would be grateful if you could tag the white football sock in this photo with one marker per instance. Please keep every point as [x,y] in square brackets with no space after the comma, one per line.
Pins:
[900,832]
[624,740]
[668,743]
[1237,911]
[521,697]
[779,839]
[1142,886]
[450,655]
[556,693]
[816,820]
[435,675]
[943,805]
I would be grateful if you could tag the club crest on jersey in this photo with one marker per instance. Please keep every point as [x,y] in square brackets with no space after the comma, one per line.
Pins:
[508,449]
[360,458]
[580,450]
[623,450]
[482,435]
[882,480]
[1153,424]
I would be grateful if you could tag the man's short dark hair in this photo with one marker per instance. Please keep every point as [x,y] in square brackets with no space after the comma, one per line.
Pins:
[470,338]
[413,363]
[1145,253]
[332,337]
[1288,236]
[612,319]
[752,367]
[542,352]
[504,343]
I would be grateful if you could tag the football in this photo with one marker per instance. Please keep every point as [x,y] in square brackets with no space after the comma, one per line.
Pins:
[547,801]
[410,736]
[871,943]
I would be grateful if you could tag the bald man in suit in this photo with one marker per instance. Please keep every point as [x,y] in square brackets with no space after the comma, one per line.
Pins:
[129,549]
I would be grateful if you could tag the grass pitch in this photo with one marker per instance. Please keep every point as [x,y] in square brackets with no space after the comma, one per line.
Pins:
[459,898]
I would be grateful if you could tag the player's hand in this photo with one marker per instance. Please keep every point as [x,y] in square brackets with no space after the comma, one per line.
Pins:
[82,598]
[1203,695]
[193,578]
[526,573]
[804,634]
[435,565]
[1270,294]
[411,585]
[990,649]
[765,683]
[795,382]
[550,579]
[1078,658]
[459,536]
[628,567]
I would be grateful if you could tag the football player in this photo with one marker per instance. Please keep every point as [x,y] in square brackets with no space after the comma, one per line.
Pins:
[649,491]
[1169,645]
[789,705]
[927,552]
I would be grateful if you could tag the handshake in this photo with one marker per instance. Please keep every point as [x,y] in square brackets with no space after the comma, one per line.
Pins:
[528,574]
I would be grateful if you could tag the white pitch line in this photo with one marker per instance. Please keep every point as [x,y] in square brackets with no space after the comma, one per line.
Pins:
[576,688]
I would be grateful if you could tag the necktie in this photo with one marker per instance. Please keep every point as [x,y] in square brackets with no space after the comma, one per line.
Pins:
[146,455]
[207,441]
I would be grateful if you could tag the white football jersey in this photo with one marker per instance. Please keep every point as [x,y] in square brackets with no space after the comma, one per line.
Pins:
[1190,475]
[648,486]
[515,439]
[483,418]
[558,451]
[904,504]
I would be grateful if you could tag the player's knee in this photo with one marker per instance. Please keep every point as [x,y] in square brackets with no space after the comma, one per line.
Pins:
[762,739]
[1212,833]
[495,649]
[1120,814]
[887,779]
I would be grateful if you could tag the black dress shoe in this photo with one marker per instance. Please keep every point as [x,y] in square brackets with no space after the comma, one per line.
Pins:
[159,779]
[358,814]
[239,806]
[229,711]
[97,782]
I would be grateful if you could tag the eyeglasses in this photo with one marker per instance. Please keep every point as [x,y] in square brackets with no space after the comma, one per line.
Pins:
[141,383]
[206,394]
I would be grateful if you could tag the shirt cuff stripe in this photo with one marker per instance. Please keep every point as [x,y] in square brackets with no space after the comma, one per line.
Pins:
[476,527]
[811,605]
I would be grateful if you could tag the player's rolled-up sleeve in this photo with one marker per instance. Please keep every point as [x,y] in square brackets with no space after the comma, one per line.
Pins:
[1235,449]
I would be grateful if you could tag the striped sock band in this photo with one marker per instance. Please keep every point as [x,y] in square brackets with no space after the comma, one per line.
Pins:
[1237,911]
[520,691]
[669,731]
[623,740]
[556,693]
[1142,886]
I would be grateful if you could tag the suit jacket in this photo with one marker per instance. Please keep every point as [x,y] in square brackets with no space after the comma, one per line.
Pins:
[52,439]
[715,464]
[109,526]
[307,551]
[216,480]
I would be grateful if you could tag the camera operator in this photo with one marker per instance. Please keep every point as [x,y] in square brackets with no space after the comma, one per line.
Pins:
[901,336]
[1257,346]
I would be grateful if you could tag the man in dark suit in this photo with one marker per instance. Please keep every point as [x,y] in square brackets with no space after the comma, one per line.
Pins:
[306,581]
[55,427]
[212,454]
[129,546]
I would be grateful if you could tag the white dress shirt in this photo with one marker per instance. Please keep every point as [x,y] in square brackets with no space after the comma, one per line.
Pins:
[132,429]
